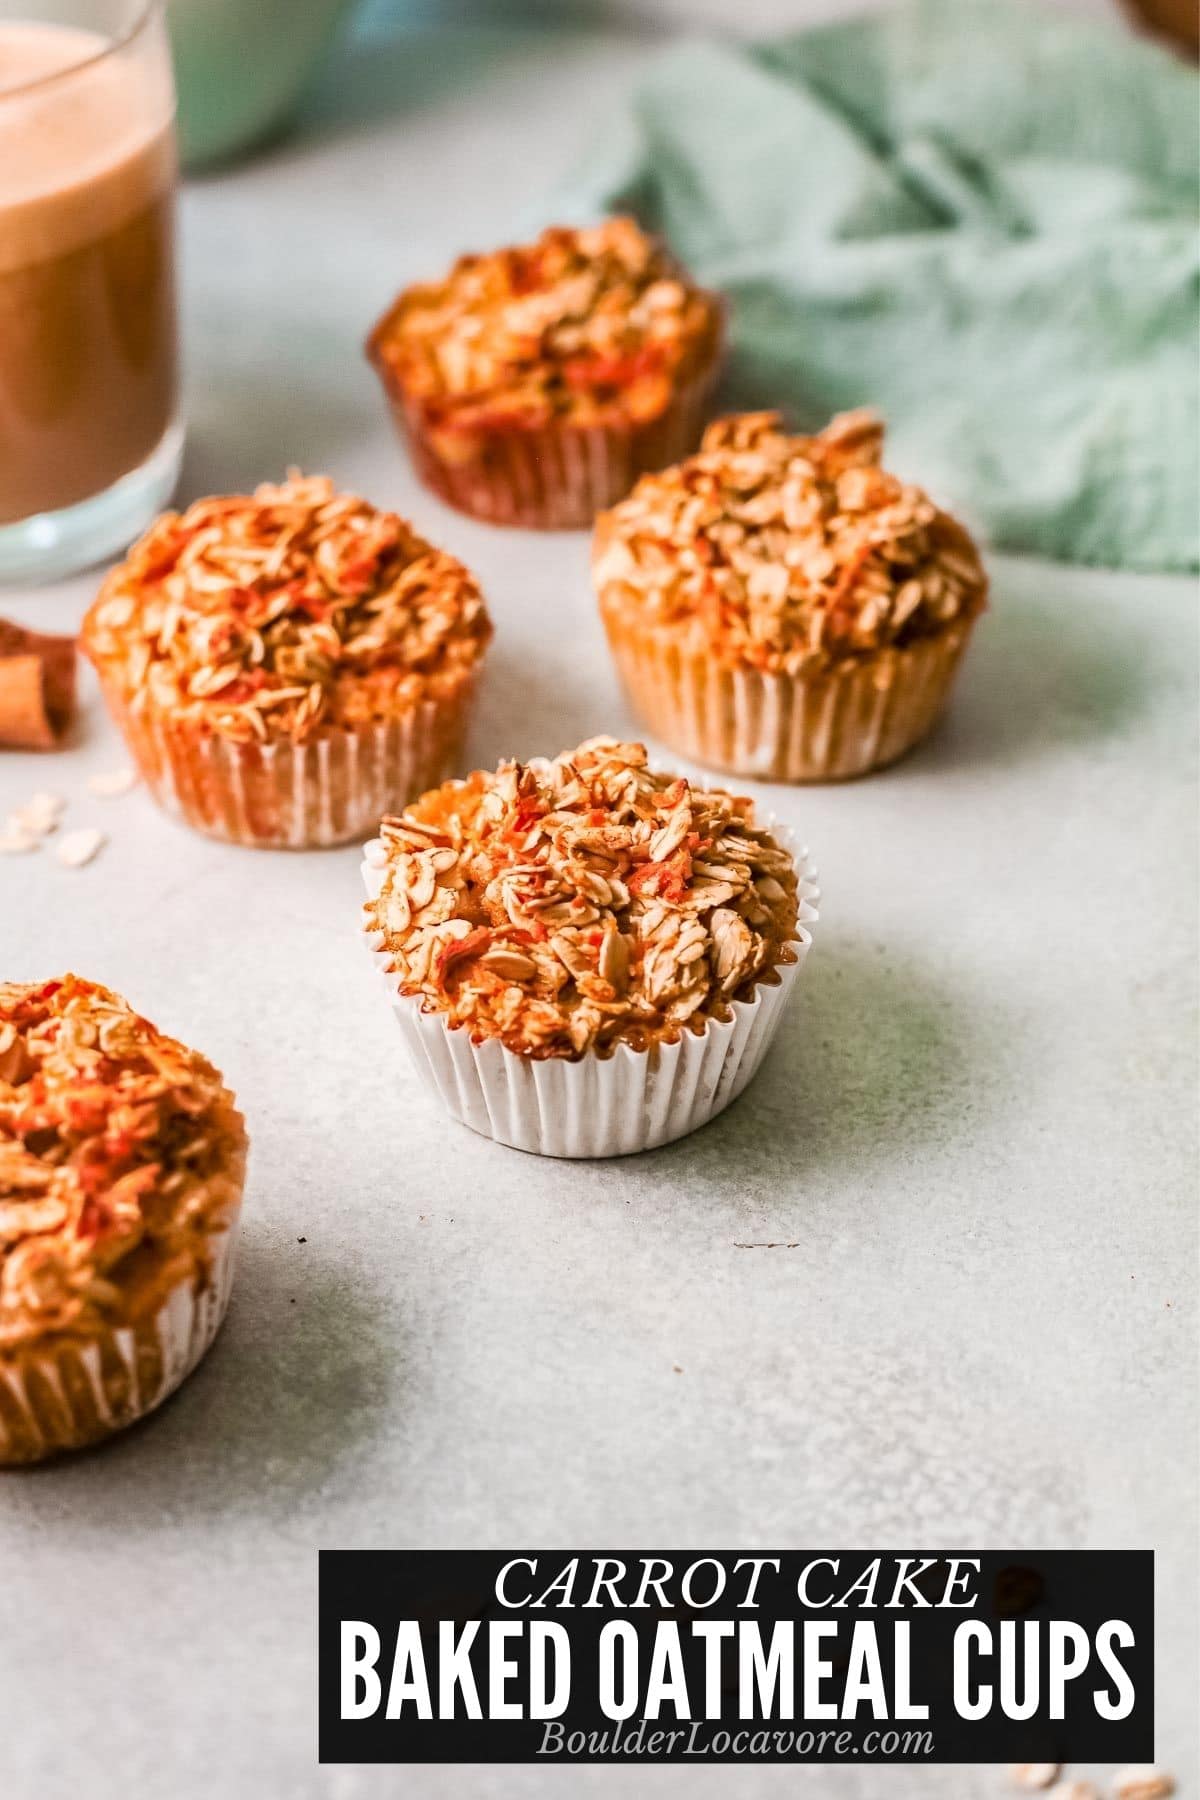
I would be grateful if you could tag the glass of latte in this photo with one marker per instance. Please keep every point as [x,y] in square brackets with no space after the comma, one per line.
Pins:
[90,433]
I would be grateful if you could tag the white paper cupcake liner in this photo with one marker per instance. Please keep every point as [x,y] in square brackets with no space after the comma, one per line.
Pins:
[821,726]
[296,796]
[561,476]
[81,1392]
[599,1105]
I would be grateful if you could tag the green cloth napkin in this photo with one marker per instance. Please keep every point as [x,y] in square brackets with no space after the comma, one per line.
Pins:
[978,218]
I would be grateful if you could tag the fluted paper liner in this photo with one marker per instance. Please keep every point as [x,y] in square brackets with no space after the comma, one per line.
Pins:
[561,476]
[285,796]
[599,1105]
[84,1389]
[827,725]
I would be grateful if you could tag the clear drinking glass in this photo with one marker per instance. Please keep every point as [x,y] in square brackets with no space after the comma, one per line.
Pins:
[90,434]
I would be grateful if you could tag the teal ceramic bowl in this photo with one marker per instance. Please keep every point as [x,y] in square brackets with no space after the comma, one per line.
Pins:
[241,67]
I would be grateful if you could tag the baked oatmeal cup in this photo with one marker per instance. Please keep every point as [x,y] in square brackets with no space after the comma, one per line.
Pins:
[288,665]
[533,385]
[587,958]
[781,607]
[122,1158]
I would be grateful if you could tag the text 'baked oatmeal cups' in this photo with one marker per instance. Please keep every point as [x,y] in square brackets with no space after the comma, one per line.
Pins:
[586,958]
[286,666]
[533,385]
[122,1158]
[780,607]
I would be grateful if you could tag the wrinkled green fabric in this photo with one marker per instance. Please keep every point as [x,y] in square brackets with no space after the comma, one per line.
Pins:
[980,219]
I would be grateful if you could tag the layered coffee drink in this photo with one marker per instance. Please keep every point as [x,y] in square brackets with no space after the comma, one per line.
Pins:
[87,306]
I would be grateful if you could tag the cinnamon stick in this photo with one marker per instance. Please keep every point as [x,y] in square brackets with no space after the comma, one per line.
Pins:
[37,687]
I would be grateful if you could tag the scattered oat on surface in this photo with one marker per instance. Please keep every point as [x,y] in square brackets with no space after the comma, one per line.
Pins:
[595,324]
[112,784]
[47,805]
[75,848]
[16,842]
[39,816]
[566,906]
[279,614]
[1143,1781]
[1032,1776]
[781,553]
[114,1140]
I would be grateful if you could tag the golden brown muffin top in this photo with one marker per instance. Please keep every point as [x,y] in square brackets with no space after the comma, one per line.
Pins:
[120,1155]
[572,905]
[782,552]
[285,612]
[594,324]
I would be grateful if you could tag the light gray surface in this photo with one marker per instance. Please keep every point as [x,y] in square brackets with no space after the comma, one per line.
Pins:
[977,1129]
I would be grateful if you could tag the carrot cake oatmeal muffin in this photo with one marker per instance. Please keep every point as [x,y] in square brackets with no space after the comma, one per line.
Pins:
[121,1165]
[781,607]
[587,957]
[288,665]
[534,384]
